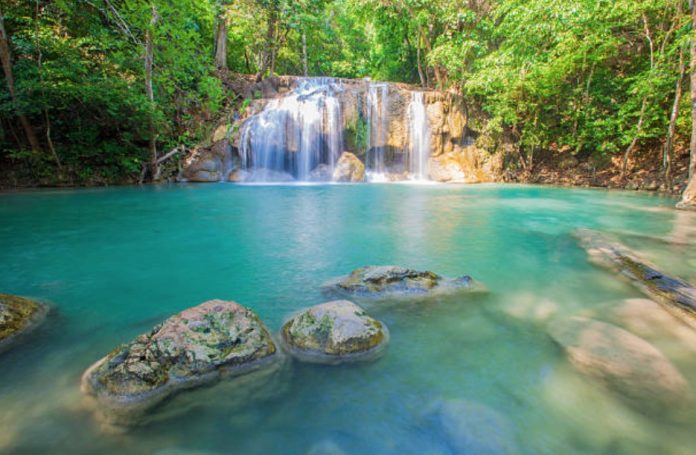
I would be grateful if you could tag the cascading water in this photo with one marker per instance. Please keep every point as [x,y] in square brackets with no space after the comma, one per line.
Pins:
[377,130]
[419,138]
[295,134]
[300,135]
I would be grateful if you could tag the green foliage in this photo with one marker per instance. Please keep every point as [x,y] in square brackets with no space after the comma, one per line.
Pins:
[581,77]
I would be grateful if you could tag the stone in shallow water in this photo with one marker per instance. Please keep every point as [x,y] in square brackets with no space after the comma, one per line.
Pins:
[334,332]
[629,366]
[374,282]
[473,428]
[349,168]
[18,316]
[199,345]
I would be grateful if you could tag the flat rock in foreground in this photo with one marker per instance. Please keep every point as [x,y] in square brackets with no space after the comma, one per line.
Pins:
[627,365]
[334,332]
[202,344]
[375,282]
[674,292]
[17,317]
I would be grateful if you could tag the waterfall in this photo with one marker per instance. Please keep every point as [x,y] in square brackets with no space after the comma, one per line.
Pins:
[300,135]
[377,130]
[419,138]
[296,133]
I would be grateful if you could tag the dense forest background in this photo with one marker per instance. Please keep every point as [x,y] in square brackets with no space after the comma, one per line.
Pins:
[94,90]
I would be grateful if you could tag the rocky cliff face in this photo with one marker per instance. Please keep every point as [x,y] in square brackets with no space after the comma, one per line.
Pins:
[314,121]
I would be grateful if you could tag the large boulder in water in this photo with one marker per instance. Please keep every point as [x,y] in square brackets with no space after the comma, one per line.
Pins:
[334,332]
[197,346]
[629,366]
[18,316]
[375,282]
[349,168]
[473,428]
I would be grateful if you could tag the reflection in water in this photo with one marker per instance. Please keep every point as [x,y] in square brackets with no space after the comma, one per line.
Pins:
[128,255]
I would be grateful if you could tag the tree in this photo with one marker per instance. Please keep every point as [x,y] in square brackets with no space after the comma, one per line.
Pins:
[6,60]
[221,25]
[149,61]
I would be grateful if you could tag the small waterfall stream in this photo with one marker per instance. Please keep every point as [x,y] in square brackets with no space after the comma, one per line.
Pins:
[419,138]
[377,130]
[306,123]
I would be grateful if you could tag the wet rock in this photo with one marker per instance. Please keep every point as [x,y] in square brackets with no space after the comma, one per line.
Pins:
[688,200]
[220,133]
[18,316]
[321,173]
[446,169]
[606,252]
[394,281]
[334,332]
[627,365]
[349,169]
[464,165]
[260,176]
[202,344]
[472,428]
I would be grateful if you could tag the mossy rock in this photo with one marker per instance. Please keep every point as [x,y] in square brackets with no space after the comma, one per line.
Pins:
[376,282]
[334,332]
[199,345]
[18,316]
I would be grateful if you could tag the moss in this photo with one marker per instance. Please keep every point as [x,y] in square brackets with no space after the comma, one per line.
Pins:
[16,314]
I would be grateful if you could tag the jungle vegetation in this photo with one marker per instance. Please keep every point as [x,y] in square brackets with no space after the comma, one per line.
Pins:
[99,91]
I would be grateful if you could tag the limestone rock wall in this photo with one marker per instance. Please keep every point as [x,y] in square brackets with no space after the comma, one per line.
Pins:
[453,155]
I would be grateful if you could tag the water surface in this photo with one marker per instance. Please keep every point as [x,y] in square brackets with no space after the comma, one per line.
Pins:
[114,262]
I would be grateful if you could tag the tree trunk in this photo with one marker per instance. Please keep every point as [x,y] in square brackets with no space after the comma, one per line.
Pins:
[669,142]
[6,59]
[421,74]
[39,60]
[689,197]
[269,52]
[221,42]
[305,64]
[436,69]
[639,129]
[149,60]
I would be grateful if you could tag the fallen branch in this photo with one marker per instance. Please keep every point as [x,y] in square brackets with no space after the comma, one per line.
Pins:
[160,160]
[173,152]
[674,293]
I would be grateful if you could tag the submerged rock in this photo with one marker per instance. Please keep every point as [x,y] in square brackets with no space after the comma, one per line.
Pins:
[199,345]
[393,281]
[472,428]
[651,320]
[605,252]
[326,448]
[18,316]
[321,173]
[629,366]
[349,168]
[259,176]
[334,332]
